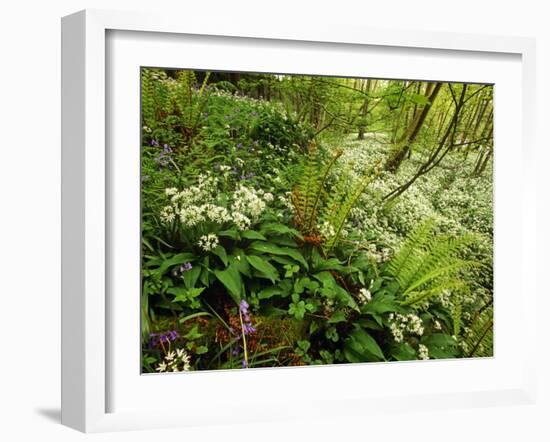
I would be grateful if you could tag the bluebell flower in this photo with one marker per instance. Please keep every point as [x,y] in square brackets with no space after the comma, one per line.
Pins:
[156,339]
[186,267]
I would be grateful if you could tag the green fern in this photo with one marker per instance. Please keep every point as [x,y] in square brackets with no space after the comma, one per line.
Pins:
[427,265]
[155,97]
[479,340]
[314,202]
[308,192]
[189,102]
[339,206]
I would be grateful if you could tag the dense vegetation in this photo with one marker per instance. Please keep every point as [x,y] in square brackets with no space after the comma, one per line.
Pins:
[296,220]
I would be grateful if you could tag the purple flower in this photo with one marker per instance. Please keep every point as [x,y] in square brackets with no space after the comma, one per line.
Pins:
[162,159]
[239,146]
[186,267]
[154,143]
[247,176]
[247,323]
[243,306]
[245,364]
[156,339]
[167,148]
[248,329]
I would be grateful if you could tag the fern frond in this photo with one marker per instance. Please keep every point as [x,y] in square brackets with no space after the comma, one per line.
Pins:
[307,193]
[420,296]
[437,254]
[415,240]
[428,264]
[456,315]
[337,213]
[479,341]
[186,82]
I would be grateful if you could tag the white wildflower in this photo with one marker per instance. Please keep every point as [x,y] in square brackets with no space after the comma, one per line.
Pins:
[175,361]
[364,296]
[423,352]
[208,242]
[401,324]
[167,214]
[326,230]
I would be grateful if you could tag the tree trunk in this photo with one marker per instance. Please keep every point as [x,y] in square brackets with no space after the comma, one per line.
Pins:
[364,112]
[444,146]
[404,144]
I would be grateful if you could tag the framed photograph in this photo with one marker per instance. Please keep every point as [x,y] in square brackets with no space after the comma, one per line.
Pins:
[298,219]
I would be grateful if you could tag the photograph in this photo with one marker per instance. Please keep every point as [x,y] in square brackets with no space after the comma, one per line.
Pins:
[292,220]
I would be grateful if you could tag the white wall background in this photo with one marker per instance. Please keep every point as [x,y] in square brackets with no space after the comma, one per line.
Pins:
[30,215]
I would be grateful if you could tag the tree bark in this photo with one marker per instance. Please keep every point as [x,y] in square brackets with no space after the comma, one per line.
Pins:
[445,145]
[404,144]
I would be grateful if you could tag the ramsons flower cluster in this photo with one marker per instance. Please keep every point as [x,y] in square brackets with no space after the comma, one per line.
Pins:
[405,324]
[200,204]
[175,361]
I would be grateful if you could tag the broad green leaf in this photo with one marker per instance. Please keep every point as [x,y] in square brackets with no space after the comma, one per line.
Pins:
[266,247]
[264,266]
[220,252]
[363,346]
[233,234]
[231,279]
[252,234]
[325,278]
[180,258]
[190,277]
[403,352]
[278,228]
[337,316]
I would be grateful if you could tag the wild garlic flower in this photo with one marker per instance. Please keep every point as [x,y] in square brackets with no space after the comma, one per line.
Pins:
[423,352]
[247,201]
[402,324]
[201,203]
[175,361]
[326,230]
[208,242]
[364,296]
[241,221]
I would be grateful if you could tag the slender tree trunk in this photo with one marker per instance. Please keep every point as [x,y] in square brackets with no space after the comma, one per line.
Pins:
[404,144]
[444,146]
[364,112]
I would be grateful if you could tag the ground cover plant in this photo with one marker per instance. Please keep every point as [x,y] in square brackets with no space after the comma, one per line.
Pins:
[300,220]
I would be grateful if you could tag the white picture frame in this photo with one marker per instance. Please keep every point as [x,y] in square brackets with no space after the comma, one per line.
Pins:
[87,381]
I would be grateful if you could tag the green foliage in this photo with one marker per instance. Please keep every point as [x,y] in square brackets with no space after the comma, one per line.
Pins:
[321,210]
[266,240]
[427,265]
[478,341]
